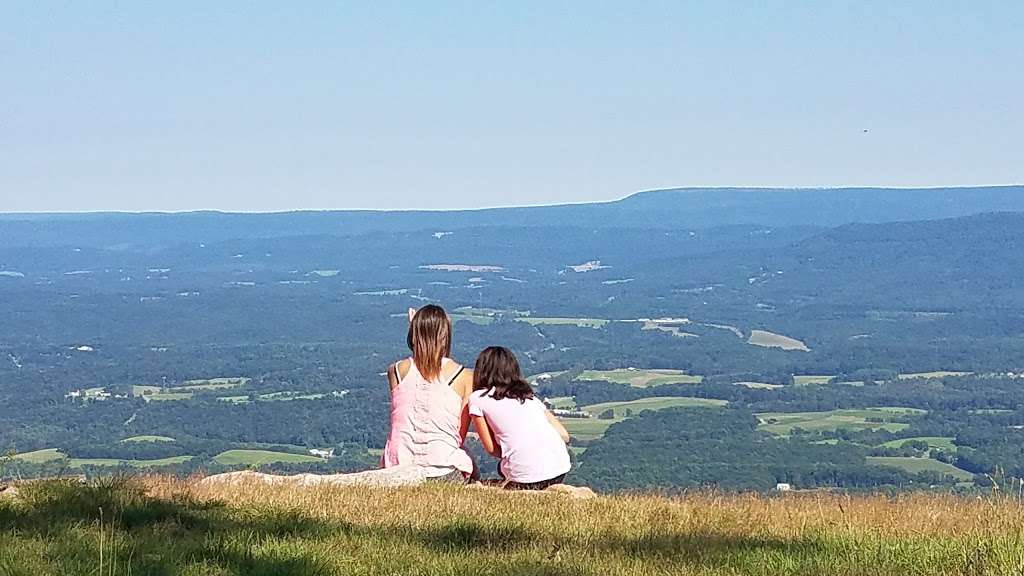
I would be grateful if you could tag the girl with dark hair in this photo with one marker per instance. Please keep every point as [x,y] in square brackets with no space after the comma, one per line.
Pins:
[515,426]
[429,394]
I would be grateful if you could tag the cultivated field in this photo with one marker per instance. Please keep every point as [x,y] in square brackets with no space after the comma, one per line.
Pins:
[808,380]
[260,457]
[773,340]
[937,442]
[149,438]
[54,455]
[167,527]
[641,378]
[936,374]
[587,428]
[782,423]
[622,409]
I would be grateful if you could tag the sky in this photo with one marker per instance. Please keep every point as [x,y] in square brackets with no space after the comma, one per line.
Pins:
[266,106]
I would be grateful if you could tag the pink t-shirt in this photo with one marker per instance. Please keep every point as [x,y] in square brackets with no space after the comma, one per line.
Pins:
[531,449]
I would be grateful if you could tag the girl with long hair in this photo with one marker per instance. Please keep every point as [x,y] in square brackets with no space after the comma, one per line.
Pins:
[515,426]
[429,397]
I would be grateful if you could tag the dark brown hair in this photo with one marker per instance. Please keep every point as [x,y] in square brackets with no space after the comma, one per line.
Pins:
[430,339]
[498,370]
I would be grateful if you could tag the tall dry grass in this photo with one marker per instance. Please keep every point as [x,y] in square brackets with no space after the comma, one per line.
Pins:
[179,527]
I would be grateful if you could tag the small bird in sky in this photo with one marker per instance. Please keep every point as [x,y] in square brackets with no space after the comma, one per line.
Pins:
[864,131]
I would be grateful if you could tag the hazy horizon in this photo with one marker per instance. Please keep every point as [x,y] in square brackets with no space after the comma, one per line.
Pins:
[503,206]
[398,106]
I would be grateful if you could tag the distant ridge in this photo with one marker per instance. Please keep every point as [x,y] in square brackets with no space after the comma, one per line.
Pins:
[682,208]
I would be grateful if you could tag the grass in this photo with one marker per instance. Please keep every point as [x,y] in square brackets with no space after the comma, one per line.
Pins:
[936,374]
[938,442]
[115,462]
[167,396]
[587,428]
[145,438]
[783,423]
[915,465]
[165,527]
[52,455]
[641,378]
[260,457]
[772,340]
[810,379]
[563,402]
[580,322]
[210,384]
[40,456]
[652,403]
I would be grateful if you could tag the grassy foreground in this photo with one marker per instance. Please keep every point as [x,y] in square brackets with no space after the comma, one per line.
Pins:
[160,526]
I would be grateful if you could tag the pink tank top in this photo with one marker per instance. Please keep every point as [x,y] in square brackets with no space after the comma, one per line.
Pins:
[425,421]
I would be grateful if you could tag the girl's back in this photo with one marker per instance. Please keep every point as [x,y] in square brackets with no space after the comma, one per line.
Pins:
[531,448]
[426,421]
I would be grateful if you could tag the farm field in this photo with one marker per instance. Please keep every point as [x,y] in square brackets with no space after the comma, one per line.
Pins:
[783,423]
[939,442]
[40,456]
[146,438]
[260,457]
[587,428]
[937,374]
[759,385]
[767,339]
[563,402]
[641,378]
[810,379]
[653,403]
[914,465]
[52,454]
[210,384]
[580,322]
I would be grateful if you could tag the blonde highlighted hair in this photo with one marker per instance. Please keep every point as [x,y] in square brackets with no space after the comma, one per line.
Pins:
[430,339]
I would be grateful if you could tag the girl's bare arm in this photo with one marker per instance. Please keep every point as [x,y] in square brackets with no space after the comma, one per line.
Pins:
[486,436]
[557,426]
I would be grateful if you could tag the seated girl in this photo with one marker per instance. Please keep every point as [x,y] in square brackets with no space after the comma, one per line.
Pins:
[515,426]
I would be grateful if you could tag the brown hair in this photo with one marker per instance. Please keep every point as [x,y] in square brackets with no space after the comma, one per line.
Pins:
[430,339]
[498,370]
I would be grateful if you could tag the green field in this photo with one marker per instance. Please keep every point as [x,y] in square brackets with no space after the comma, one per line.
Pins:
[580,322]
[641,378]
[914,465]
[210,384]
[936,374]
[52,454]
[810,379]
[114,462]
[260,457]
[587,428]
[167,396]
[938,442]
[783,423]
[142,390]
[654,403]
[145,438]
[40,456]
[563,402]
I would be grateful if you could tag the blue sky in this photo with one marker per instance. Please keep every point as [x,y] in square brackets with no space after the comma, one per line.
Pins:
[302,105]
